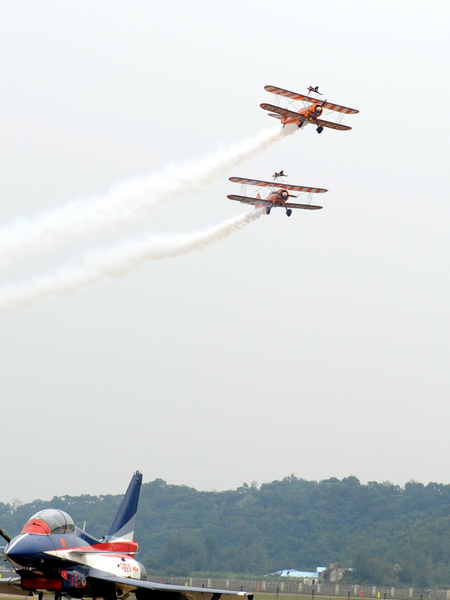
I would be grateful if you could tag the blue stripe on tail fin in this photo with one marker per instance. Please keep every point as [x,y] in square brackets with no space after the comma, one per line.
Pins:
[123,525]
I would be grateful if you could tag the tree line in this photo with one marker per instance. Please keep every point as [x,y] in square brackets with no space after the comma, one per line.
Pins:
[388,534]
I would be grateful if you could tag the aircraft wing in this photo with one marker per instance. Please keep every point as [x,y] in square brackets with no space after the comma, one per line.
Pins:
[295,96]
[248,200]
[11,586]
[287,94]
[246,181]
[332,125]
[146,589]
[284,112]
[305,206]
[299,188]
[262,202]
[341,109]
[284,186]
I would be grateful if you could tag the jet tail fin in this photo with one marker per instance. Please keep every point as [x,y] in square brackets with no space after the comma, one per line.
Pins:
[123,525]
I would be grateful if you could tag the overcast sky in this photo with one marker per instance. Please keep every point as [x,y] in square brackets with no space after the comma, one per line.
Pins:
[316,345]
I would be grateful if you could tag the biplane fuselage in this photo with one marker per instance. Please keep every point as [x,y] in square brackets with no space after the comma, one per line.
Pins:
[277,198]
[309,114]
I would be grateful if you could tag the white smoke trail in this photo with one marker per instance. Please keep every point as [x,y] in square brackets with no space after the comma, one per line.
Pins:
[117,262]
[125,201]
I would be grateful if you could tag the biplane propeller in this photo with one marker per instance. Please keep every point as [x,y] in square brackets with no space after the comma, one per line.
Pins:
[310,113]
[278,196]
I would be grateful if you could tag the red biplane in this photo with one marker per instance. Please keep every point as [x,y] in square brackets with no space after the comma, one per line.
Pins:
[310,113]
[279,194]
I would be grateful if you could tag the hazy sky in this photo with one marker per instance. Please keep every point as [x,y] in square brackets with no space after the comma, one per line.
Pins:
[316,345]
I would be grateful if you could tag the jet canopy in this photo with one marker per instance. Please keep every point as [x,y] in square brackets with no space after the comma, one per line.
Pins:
[49,520]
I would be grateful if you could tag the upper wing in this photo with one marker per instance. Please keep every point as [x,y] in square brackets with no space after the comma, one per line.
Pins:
[285,186]
[284,112]
[250,181]
[248,200]
[287,94]
[300,188]
[296,96]
[332,125]
[341,109]
[147,589]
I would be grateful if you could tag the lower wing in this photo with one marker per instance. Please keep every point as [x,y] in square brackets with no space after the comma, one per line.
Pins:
[248,200]
[283,112]
[261,202]
[331,125]
[304,206]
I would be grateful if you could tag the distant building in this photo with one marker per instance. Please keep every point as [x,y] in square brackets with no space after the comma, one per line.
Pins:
[309,576]
[335,572]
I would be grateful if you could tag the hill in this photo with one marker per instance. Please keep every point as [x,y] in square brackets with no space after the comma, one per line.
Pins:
[390,534]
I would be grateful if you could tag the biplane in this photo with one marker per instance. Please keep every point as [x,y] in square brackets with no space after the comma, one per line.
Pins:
[278,196]
[310,113]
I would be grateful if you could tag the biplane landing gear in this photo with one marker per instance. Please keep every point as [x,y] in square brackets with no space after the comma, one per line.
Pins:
[289,212]
[319,129]
[300,124]
[268,210]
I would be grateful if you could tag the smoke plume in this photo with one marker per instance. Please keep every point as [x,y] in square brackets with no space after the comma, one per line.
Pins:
[117,262]
[125,201]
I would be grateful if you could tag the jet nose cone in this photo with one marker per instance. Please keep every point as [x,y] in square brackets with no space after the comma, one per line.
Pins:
[27,550]
[19,549]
